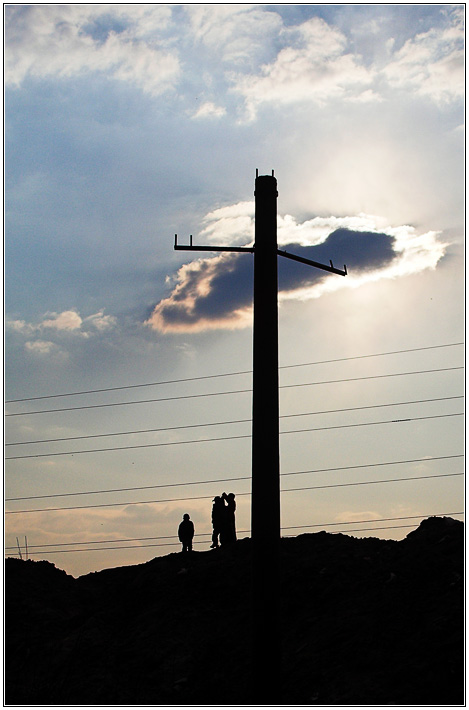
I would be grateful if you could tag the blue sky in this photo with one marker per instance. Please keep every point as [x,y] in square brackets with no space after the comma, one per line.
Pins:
[126,124]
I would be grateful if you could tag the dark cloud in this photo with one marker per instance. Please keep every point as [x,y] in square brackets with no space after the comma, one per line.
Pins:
[231,287]
[214,292]
[359,251]
[209,291]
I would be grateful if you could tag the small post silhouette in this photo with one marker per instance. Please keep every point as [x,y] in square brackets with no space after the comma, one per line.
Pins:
[265,485]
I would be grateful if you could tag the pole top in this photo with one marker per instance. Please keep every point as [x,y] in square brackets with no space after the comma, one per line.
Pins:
[266,184]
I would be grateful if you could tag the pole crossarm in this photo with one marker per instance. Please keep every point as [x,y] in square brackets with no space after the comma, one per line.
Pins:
[325,267]
[191,247]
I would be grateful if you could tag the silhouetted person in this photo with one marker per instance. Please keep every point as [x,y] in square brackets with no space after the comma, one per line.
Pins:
[218,521]
[230,523]
[186,533]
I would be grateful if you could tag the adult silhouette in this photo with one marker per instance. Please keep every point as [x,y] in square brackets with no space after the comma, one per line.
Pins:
[230,508]
[218,521]
[186,532]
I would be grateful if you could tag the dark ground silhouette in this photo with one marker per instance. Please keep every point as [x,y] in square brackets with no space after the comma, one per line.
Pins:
[364,621]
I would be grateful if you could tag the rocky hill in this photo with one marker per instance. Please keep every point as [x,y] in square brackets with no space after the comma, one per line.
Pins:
[364,621]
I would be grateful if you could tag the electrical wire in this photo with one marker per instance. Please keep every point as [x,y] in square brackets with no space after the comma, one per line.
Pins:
[235,421]
[243,391]
[227,374]
[225,438]
[239,478]
[240,532]
[233,437]
[354,522]
[286,490]
[174,544]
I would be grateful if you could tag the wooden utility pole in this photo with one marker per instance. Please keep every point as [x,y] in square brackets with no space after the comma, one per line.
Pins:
[265,486]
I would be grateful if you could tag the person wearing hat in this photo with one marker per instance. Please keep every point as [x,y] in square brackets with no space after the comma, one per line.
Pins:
[186,532]
[218,520]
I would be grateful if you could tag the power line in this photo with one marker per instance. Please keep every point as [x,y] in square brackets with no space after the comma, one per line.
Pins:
[286,490]
[224,438]
[174,544]
[381,527]
[226,374]
[354,522]
[239,478]
[235,421]
[240,532]
[122,404]
[367,483]
[243,391]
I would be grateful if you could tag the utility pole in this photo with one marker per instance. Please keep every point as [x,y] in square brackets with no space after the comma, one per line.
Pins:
[265,486]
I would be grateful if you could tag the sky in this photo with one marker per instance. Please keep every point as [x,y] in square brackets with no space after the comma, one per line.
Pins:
[128,124]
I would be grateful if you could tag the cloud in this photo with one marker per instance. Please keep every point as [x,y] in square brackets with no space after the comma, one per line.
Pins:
[239,33]
[20,326]
[40,347]
[316,65]
[367,261]
[243,51]
[100,321]
[216,292]
[229,225]
[71,40]
[360,251]
[365,97]
[313,68]
[64,324]
[354,517]
[203,298]
[209,110]
[67,320]
[432,63]
[234,225]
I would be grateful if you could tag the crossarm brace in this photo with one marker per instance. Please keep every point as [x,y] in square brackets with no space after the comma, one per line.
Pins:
[330,268]
[191,247]
[195,248]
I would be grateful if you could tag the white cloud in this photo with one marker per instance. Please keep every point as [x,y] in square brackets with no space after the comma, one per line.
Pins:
[234,225]
[432,63]
[209,110]
[268,60]
[230,225]
[67,320]
[315,231]
[69,40]
[315,65]
[40,347]
[240,33]
[365,97]
[67,323]
[100,321]
[20,326]
[71,321]
[314,68]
